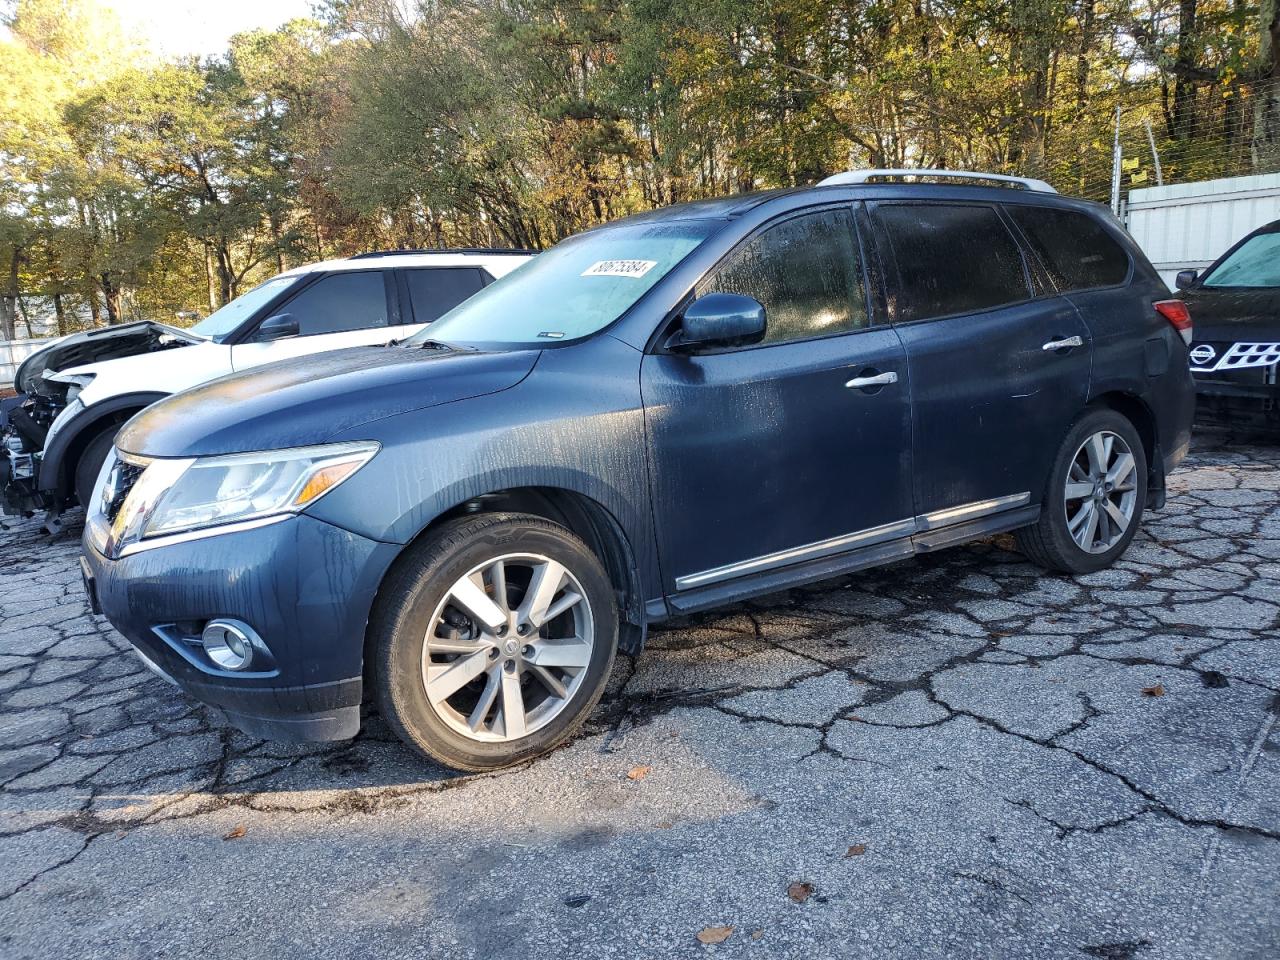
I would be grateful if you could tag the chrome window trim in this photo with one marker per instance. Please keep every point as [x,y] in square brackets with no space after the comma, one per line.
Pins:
[870,536]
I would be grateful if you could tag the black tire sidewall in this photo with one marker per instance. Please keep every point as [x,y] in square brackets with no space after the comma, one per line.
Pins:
[1074,558]
[90,464]
[398,672]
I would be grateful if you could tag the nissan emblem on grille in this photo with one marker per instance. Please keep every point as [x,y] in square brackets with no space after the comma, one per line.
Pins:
[1203,353]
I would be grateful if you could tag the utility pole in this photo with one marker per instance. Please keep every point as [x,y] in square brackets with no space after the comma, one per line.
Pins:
[1115,168]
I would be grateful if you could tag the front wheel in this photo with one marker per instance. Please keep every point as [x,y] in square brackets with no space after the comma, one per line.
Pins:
[493,640]
[1095,497]
[90,464]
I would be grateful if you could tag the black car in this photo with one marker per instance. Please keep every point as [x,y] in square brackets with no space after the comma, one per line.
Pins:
[672,412]
[1236,305]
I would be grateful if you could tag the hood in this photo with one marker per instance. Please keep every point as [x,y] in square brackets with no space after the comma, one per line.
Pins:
[1231,314]
[92,346]
[309,399]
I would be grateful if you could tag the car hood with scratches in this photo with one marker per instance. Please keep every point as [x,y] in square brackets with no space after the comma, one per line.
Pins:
[308,400]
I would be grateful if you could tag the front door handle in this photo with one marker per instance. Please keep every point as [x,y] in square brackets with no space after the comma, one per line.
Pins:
[1063,344]
[878,380]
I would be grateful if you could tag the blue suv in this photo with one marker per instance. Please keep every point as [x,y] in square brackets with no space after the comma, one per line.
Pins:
[672,412]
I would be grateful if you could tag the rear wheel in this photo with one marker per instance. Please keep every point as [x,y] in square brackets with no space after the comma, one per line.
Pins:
[1096,494]
[90,464]
[493,640]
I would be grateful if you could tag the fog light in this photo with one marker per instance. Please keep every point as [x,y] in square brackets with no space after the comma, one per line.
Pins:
[229,643]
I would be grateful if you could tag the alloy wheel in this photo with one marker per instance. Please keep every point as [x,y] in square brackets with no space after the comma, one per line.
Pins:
[1101,493]
[508,647]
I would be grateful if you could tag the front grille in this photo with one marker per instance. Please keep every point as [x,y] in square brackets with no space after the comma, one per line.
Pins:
[1207,357]
[124,474]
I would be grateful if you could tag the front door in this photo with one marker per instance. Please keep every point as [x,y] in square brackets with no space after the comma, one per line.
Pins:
[792,449]
[344,309]
[998,373]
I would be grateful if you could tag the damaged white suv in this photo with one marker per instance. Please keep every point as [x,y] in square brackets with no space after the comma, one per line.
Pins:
[74,395]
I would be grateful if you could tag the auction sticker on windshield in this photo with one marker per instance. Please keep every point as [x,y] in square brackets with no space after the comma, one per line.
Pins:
[619,268]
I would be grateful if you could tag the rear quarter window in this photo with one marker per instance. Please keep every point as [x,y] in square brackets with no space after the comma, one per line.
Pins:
[1075,249]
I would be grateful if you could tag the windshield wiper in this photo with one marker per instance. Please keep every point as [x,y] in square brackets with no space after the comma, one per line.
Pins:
[441,345]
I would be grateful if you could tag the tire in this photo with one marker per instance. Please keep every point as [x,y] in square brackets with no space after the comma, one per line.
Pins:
[90,464]
[1064,538]
[421,636]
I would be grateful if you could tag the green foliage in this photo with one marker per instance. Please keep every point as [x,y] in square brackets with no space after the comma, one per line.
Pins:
[135,187]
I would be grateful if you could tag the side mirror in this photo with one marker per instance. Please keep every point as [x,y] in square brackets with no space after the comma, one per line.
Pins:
[1185,279]
[278,327]
[721,320]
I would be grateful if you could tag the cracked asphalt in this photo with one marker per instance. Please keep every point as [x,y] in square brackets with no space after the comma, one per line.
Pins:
[955,752]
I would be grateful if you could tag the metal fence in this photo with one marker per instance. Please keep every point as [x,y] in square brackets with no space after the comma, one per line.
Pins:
[12,353]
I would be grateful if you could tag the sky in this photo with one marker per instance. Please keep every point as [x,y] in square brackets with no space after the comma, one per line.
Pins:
[175,28]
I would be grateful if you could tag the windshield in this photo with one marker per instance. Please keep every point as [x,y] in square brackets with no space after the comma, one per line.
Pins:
[225,319]
[1255,264]
[579,286]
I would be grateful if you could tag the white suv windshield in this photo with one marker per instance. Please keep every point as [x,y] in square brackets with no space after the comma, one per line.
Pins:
[579,286]
[225,319]
[1255,264]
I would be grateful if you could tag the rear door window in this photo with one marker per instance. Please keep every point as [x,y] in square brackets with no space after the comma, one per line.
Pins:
[952,258]
[434,291]
[804,271]
[340,302]
[1075,249]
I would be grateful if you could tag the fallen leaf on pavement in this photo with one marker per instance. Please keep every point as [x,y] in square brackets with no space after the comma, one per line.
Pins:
[714,934]
[857,850]
[757,934]
[638,773]
[237,832]
[1156,691]
[800,891]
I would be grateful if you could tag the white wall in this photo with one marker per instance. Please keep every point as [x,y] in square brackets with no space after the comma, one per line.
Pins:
[1187,226]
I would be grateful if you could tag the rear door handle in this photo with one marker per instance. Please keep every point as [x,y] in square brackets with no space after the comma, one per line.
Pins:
[879,380]
[1063,344]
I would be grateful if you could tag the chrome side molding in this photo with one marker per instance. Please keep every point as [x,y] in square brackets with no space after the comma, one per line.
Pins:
[861,538]
[971,511]
[808,551]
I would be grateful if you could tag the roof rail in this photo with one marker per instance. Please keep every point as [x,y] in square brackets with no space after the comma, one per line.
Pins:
[866,176]
[478,251]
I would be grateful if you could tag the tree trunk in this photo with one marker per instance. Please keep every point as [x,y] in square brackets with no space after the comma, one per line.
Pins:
[9,299]
[1266,104]
[60,311]
[1184,90]
[111,296]
[210,286]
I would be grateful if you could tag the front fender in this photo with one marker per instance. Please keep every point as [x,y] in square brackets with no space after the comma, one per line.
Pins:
[58,458]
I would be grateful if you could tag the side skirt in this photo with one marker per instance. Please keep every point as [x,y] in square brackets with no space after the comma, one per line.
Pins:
[850,561]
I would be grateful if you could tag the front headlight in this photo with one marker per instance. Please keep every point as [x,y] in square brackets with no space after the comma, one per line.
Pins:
[177,496]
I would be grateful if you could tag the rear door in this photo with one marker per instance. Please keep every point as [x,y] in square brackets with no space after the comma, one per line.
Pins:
[999,366]
[342,309]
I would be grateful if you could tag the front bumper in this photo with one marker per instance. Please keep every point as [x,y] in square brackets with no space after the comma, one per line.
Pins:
[305,586]
[1244,398]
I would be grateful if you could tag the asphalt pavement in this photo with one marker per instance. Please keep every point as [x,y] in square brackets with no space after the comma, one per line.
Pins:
[955,756]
